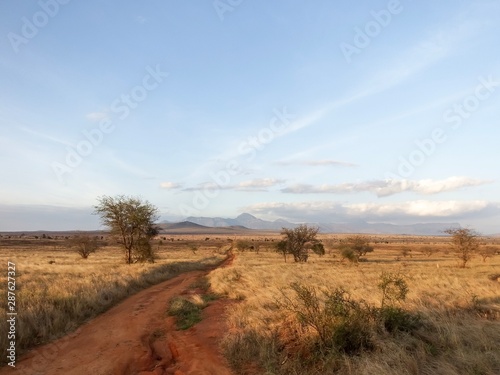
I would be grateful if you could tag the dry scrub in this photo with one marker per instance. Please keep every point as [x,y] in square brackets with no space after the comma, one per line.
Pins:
[460,311]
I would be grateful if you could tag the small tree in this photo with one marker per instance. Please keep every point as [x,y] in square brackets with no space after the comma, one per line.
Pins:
[244,245]
[465,242]
[487,252]
[282,248]
[131,223]
[394,288]
[355,247]
[428,250]
[318,248]
[85,244]
[298,241]
[405,251]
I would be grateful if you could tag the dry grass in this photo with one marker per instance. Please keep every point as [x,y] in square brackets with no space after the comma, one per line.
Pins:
[460,307]
[57,290]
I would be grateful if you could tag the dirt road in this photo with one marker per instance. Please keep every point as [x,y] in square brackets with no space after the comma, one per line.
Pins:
[136,337]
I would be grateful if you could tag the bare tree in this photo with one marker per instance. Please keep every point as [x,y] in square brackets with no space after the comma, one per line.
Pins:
[465,242]
[131,223]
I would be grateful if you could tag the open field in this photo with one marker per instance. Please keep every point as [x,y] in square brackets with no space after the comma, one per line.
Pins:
[460,308]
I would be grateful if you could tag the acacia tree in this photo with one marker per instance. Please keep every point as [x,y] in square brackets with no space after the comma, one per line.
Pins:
[85,244]
[298,241]
[355,247]
[466,243]
[131,223]
[487,252]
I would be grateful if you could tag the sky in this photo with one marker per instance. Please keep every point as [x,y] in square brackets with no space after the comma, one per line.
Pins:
[324,111]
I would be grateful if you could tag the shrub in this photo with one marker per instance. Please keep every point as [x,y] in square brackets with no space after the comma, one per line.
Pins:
[396,319]
[394,288]
[487,252]
[144,252]
[85,244]
[318,248]
[244,245]
[341,323]
[354,248]
[428,250]
[187,313]
[405,251]
[348,253]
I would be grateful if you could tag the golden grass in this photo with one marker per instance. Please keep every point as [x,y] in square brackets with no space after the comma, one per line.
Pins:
[57,290]
[460,307]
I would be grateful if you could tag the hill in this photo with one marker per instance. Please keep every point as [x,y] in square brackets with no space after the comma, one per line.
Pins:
[251,222]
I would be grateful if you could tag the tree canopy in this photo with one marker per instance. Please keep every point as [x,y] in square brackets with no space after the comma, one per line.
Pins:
[131,223]
[298,241]
[465,241]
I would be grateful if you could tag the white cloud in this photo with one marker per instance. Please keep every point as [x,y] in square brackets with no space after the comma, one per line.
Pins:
[409,211]
[383,188]
[170,185]
[260,183]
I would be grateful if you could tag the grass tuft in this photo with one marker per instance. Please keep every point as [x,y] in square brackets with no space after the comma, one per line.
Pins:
[187,312]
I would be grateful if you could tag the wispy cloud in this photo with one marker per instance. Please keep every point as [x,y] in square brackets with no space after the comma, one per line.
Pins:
[47,137]
[408,64]
[315,163]
[128,167]
[383,188]
[259,184]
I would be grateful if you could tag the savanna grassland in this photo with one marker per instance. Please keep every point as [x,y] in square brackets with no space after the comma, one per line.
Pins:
[449,322]
[57,290]
[449,319]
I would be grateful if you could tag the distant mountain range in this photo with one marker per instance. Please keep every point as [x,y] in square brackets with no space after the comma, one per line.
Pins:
[247,221]
[189,227]
[244,220]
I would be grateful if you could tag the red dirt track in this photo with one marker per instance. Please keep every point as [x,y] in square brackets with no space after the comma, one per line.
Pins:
[136,337]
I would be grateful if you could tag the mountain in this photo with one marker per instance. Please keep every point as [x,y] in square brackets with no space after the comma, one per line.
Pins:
[245,220]
[358,226]
[188,227]
[182,225]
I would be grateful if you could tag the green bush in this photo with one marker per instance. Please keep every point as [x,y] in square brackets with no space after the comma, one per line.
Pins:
[341,323]
[244,245]
[348,253]
[345,325]
[186,312]
[396,319]
[394,288]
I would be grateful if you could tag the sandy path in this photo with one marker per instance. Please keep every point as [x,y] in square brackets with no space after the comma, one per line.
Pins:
[136,337]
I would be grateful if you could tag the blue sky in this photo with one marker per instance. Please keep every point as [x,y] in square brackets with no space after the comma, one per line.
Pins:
[325,111]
